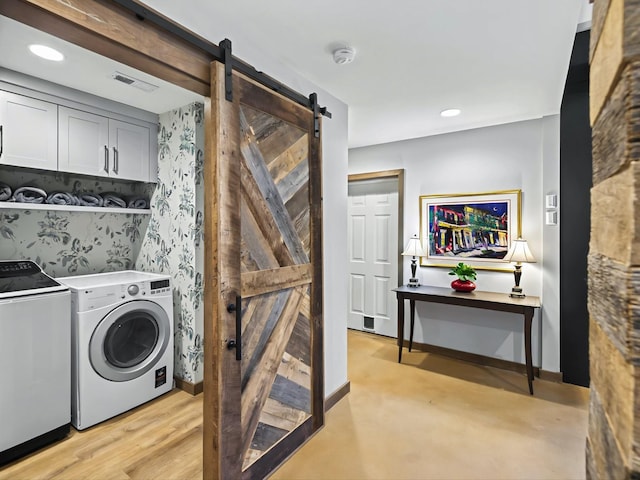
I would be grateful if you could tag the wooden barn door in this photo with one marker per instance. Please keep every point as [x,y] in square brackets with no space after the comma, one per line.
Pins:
[267,371]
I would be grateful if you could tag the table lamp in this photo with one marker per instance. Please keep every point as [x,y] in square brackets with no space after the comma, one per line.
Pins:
[519,252]
[414,248]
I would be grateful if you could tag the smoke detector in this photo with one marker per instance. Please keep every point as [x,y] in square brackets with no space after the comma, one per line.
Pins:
[134,82]
[344,55]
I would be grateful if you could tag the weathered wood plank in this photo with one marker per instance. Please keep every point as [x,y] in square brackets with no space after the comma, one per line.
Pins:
[289,159]
[598,15]
[299,346]
[260,327]
[260,211]
[612,211]
[266,436]
[607,461]
[265,281]
[252,158]
[249,305]
[293,182]
[610,135]
[273,135]
[259,383]
[291,394]
[607,60]
[256,250]
[257,97]
[315,310]
[282,416]
[295,369]
[221,416]
[251,456]
[305,309]
[298,206]
[609,300]
[303,224]
[613,378]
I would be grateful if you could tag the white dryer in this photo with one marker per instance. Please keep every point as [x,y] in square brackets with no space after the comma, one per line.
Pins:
[122,343]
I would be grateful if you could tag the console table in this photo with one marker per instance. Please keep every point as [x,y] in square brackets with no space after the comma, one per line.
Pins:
[501,302]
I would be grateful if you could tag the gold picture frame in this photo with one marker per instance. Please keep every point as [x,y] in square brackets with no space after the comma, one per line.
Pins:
[474,228]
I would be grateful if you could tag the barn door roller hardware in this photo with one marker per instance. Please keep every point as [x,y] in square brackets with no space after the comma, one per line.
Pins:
[220,54]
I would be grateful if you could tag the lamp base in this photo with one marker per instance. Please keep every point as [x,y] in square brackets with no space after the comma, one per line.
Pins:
[516,292]
[413,282]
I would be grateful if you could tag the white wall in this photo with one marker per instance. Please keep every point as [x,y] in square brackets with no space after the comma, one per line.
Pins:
[504,157]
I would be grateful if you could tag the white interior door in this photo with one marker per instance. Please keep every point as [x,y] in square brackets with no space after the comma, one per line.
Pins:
[373,255]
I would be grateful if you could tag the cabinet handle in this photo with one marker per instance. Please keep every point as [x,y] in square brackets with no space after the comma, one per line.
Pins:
[115,160]
[1,140]
[106,159]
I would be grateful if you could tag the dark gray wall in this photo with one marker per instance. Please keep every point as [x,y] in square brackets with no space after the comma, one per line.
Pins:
[575,184]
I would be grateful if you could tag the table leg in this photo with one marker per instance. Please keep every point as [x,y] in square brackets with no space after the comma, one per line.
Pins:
[412,306]
[400,326]
[528,320]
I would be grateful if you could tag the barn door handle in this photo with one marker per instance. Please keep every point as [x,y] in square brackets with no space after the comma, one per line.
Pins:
[237,343]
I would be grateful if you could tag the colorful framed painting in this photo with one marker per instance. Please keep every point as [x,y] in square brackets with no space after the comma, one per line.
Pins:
[474,228]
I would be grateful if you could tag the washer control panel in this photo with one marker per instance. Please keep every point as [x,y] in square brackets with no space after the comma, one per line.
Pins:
[160,286]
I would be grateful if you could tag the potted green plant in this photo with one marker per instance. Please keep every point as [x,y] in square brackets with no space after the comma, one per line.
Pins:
[465,274]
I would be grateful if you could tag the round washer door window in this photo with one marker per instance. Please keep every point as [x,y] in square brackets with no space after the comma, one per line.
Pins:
[130,340]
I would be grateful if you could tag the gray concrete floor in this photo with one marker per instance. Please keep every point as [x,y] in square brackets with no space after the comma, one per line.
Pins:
[437,418]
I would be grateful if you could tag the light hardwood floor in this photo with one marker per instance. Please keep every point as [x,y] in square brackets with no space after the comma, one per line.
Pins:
[429,417]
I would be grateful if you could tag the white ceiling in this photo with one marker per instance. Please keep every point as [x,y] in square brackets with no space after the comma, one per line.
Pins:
[497,60]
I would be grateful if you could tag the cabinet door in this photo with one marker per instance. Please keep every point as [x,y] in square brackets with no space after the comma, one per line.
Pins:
[129,150]
[83,143]
[29,132]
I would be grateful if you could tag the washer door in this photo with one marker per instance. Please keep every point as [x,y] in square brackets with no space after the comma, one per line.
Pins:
[129,341]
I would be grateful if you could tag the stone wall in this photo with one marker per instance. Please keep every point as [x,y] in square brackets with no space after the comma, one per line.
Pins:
[613,443]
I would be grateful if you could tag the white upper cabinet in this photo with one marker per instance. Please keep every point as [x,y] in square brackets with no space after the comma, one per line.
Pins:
[129,146]
[95,145]
[28,132]
[83,145]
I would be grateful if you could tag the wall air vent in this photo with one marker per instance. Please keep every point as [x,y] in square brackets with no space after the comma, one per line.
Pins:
[134,82]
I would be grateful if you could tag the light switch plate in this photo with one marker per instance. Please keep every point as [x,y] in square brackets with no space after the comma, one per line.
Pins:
[552,218]
[551,201]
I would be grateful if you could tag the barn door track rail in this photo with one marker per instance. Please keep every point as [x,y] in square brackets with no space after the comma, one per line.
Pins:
[224,55]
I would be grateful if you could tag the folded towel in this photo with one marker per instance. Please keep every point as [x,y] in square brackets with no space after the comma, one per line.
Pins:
[138,202]
[5,192]
[29,195]
[62,198]
[113,200]
[90,200]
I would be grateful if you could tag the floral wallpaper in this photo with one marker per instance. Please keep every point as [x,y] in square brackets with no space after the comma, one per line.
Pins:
[173,241]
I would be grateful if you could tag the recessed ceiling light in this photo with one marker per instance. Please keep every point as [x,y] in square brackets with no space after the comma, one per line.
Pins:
[47,53]
[451,112]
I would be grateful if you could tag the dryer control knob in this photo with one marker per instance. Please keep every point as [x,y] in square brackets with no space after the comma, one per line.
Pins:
[133,289]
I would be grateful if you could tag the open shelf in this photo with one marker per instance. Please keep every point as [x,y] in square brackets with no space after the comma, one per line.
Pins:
[71,208]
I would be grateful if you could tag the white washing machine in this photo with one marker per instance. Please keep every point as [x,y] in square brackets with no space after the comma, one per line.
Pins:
[122,343]
[35,370]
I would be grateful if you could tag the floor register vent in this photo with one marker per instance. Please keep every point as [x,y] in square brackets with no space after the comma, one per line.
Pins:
[134,82]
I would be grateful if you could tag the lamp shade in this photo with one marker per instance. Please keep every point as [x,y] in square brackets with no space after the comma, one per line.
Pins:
[414,248]
[519,252]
